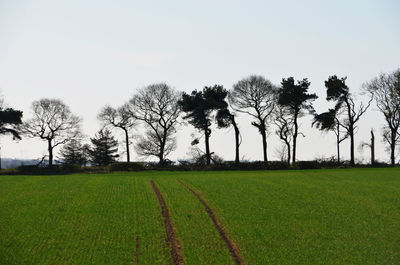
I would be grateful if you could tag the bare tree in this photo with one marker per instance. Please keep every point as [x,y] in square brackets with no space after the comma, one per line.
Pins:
[156,106]
[118,118]
[386,91]
[284,123]
[255,96]
[52,122]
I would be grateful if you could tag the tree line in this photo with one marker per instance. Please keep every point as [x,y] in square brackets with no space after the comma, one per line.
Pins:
[158,108]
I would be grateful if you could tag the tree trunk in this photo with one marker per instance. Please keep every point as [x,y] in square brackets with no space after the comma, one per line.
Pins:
[264,140]
[372,148]
[338,149]
[128,159]
[237,139]
[50,149]
[207,133]
[296,128]
[288,153]
[393,147]
[351,134]
[162,148]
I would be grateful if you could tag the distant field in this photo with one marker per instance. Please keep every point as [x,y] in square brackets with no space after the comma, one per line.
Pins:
[343,216]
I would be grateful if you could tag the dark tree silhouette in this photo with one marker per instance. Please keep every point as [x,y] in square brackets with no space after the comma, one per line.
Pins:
[284,123]
[293,96]
[226,118]
[386,91]
[255,96]
[52,122]
[329,121]
[10,119]
[73,153]
[338,92]
[199,106]
[104,148]
[157,107]
[118,118]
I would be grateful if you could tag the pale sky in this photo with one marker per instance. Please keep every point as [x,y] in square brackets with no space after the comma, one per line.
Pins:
[92,53]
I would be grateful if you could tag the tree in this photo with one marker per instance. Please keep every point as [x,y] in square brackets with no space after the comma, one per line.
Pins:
[226,118]
[157,107]
[284,123]
[52,122]
[338,92]
[385,89]
[10,119]
[118,118]
[294,97]
[199,106]
[74,152]
[104,148]
[255,96]
[329,121]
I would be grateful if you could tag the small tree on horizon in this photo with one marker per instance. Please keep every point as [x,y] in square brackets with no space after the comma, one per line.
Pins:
[74,152]
[255,96]
[293,96]
[199,107]
[104,149]
[52,122]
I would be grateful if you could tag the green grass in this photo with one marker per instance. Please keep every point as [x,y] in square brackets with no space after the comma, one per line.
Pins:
[347,216]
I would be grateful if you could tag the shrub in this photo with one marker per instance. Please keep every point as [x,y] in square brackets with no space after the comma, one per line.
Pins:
[126,166]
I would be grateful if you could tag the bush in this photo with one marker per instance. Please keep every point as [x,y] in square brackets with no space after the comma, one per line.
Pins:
[126,166]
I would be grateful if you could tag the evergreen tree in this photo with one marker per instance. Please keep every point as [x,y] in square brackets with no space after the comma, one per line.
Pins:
[73,153]
[104,149]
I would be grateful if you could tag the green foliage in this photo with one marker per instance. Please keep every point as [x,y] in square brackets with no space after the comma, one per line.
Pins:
[9,119]
[105,148]
[126,166]
[74,152]
[200,104]
[294,96]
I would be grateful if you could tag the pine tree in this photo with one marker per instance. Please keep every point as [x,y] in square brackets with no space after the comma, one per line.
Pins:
[105,148]
[73,153]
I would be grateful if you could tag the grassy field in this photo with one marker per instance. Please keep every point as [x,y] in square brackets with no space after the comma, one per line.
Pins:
[343,216]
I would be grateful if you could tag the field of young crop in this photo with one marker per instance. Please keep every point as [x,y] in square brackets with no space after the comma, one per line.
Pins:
[342,216]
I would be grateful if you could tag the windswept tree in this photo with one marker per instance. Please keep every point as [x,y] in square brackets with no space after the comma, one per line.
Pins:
[157,107]
[104,148]
[52,122]
[199,107]
[284,124]
[294,97]
[385,89]
[329,121]
[226,118]
[118,118]
[338,92]
[10,120]
[255,96]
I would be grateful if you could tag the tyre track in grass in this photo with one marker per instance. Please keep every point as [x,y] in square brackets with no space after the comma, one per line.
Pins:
[176,250]
[231,245]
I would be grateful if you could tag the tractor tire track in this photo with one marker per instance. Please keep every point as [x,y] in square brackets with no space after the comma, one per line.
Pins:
[231,245]
[176,250]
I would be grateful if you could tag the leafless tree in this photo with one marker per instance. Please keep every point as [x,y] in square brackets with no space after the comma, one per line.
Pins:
[283,121]
[386,91]
[118,118]
[52,122]
[255,96]
[156,106]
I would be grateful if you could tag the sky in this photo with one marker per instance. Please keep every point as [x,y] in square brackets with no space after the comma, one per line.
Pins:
[93,53]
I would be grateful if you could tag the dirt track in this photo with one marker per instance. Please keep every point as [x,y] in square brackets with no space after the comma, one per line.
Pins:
[232,247]
[176,250]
